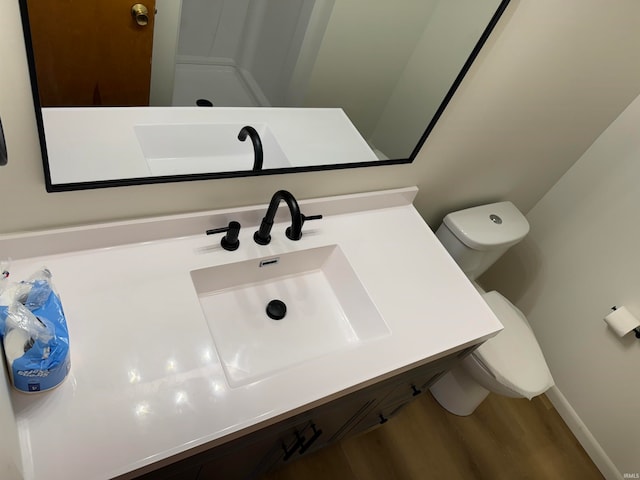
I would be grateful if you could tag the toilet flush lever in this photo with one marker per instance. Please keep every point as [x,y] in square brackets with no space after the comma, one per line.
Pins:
[230,241]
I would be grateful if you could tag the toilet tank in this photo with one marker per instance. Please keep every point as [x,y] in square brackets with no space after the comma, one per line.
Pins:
[476,237]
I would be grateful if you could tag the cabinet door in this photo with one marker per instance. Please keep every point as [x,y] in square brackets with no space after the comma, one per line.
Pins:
[252,456]
[174,472]
[337,418]
[326,424]
[239,464]
[395,393]
[256,453]
[285,448]
[394,397]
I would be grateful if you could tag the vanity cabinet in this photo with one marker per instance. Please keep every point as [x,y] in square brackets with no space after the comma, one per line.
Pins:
[398,393]
[242,458]
[288,440]
[274,446]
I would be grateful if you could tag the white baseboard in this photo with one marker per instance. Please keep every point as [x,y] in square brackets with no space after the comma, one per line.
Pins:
[583,435]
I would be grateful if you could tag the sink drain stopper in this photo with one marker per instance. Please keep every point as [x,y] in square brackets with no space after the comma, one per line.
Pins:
[276,309]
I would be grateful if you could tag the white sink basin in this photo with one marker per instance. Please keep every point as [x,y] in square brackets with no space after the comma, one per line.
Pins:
[178,149]
[327,309]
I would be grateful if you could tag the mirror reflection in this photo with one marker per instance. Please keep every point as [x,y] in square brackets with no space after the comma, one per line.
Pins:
[369,75]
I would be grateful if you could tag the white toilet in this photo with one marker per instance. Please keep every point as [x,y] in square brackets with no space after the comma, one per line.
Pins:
[511,363]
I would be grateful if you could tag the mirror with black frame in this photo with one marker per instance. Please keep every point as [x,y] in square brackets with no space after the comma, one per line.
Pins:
[4,157]
[172,72]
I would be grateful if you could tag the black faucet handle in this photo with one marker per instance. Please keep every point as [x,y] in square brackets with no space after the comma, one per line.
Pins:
[230,241]
[310,217]
[303,219]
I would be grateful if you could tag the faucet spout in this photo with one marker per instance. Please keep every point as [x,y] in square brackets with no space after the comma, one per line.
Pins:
[257,145]
[294,232]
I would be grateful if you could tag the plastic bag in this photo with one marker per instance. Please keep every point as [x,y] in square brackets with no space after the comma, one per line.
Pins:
[34,333]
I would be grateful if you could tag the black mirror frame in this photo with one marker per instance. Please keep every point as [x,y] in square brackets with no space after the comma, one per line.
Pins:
[4,156]
[234,174]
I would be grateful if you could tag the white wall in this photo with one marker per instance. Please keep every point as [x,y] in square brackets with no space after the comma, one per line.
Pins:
[165,44]
[580,259]
[260,37]
[270,56]
[212,28]
[451,33]
[363,80]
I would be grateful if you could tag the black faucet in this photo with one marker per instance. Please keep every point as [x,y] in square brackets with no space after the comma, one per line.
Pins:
[294,232]
[257,145]
[230,241]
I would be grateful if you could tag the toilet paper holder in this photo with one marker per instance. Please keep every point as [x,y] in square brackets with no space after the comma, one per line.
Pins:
[628,319]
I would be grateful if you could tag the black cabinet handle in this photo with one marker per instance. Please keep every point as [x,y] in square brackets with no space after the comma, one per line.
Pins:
[314,437]
[288,453]
[416,391]
[382,419]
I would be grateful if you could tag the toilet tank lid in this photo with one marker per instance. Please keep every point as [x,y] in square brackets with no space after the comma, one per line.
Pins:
[488,226]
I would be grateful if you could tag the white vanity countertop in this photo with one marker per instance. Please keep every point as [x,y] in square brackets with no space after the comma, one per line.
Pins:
[146,382]
[94,144]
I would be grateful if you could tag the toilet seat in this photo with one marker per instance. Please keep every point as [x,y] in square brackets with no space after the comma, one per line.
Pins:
[513,357]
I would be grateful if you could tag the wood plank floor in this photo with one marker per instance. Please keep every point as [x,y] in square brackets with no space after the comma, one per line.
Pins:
[505,438]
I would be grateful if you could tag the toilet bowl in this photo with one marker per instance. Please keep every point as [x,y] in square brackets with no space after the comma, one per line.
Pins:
[511,363]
